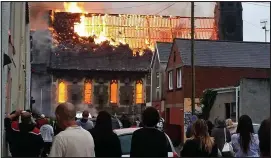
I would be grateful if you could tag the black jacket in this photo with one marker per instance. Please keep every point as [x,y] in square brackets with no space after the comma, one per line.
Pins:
[107,144]
[149,142]
[25,140]
[192,148]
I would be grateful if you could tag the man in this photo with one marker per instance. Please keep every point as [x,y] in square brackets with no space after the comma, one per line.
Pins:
[25,138]
[74,141]
[47,133]
[85,122]
[160,124]
[149,141]
[41,121]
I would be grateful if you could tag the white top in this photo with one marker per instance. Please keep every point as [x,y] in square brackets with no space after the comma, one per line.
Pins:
[73,142]
[47,132]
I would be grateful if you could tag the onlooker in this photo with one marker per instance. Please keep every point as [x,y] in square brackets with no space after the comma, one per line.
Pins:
[188,133]
[25,138]
[264,138]
[148,141]
[47,133]
[210,126]
[85,122]
[245,143]
[160,124]
[40,121]
[200,144]
[230,126]
[137,121]
[219,134]
[105,138]
[125,121]
[74,141]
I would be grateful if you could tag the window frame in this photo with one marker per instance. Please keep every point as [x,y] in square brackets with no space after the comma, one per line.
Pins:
[142,92]
[170,80]
[157,80]
[179,77]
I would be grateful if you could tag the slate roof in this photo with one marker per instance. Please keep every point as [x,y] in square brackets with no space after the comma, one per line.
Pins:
[225,53]
[164,49]
[68,60]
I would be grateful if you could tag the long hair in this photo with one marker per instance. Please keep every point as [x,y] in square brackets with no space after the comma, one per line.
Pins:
[104,122]
[200,132]
[245,129]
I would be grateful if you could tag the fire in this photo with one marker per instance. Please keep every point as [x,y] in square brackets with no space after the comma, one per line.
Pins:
[81,29]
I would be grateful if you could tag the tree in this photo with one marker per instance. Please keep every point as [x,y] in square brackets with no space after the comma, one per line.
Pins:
[207,102]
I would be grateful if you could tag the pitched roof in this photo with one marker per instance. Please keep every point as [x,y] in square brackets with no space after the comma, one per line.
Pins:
[225,53]
[163,49]
[68,60]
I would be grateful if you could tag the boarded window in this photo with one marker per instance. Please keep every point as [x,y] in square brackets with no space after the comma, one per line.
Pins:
[114,91]
[62,92]
[139,92]
[87,92]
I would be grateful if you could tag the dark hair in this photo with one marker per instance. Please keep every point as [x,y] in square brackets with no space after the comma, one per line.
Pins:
[245,129]
[150,117]
[104,122]
[210,126]
[85,113]
[264,138]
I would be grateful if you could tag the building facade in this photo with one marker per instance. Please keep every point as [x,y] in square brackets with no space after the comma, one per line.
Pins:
[217,64]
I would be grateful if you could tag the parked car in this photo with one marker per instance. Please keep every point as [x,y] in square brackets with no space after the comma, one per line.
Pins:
[116,123]
[255,127]
[125,137]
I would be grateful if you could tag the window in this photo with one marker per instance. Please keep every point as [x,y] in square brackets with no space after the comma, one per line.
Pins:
[157,80]
[114,91]
[179,78]
[230,110]
[139,92]
[170,82]
[62,92]
[87,92]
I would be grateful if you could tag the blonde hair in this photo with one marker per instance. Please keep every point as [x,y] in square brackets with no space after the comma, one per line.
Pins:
[200,131]
[229,122]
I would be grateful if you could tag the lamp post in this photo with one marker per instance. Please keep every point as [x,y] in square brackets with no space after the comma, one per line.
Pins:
[192,57]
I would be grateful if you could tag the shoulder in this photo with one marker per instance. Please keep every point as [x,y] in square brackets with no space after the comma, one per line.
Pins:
[15,126]
[35,131]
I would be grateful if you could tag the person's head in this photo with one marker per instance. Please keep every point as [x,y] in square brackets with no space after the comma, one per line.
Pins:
[220,123]
[85,114]
[150,117]
[229,122]
[245,129]
[42,116]
[15,118]
[210,125]
[264,138]
[104,121]
[26,118]
[200,131]
[65,115]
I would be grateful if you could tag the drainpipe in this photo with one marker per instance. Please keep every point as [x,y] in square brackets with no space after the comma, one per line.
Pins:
[5,10]
[237,102]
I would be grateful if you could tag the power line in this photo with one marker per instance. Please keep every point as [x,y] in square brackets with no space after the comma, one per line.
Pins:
[257,4]
[251,24]
[50,8]
[165,8]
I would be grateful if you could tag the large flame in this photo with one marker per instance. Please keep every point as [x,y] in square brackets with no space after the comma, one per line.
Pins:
[81,29]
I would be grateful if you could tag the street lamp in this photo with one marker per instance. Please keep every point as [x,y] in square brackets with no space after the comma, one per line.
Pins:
[264,23]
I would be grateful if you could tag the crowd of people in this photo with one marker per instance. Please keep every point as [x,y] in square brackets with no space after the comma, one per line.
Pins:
[224,139]
[71,137]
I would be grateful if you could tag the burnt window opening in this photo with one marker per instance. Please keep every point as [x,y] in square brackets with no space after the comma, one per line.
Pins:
[88,92]
[114,91]
[62,92]
[139,92]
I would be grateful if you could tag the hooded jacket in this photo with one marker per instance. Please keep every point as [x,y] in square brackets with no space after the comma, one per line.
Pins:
[85,123]
[105,138]
[26,140]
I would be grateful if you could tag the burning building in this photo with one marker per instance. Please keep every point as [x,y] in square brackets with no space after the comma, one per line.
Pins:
[103,60]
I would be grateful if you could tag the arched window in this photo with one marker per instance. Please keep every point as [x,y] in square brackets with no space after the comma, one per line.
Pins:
[87,92]
[114,91]
[139,92]
[62,92]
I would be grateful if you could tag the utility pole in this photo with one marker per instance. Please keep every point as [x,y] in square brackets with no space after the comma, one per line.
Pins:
[264,22]
[192,57]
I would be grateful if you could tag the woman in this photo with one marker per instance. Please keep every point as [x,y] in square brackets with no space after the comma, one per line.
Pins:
[107,143]
[264,138]
[200,144]
[245,142]
[230,126]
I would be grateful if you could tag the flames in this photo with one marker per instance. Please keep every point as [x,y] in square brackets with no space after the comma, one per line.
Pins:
[81,29]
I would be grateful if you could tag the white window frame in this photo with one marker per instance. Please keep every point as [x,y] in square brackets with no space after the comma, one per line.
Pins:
[179,77]
[170,80]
